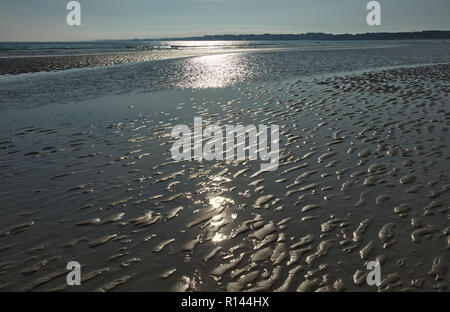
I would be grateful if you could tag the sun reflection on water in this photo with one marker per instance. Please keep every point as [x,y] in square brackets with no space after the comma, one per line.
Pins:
[215,71]
[219,201]
[219,237]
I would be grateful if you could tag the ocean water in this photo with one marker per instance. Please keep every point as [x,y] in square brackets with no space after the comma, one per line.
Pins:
[111,46]
[86,172]
[186,65]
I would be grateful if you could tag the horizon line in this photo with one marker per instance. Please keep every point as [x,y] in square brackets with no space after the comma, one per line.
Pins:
[187,38]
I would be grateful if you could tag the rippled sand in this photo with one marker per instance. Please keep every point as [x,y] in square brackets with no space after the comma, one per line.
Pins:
[363,177]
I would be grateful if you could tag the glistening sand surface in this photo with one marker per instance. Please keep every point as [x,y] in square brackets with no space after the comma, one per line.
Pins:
[363,176]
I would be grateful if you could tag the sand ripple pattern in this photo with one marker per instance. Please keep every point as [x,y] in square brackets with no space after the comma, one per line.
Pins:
[363,176]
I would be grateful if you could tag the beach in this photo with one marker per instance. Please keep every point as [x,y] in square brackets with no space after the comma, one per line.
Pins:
[87,174]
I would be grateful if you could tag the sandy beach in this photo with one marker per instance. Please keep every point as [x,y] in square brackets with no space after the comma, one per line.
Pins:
[363,176]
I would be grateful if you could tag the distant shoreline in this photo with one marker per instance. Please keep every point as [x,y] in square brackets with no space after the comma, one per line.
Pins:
[317,36]
[431,34]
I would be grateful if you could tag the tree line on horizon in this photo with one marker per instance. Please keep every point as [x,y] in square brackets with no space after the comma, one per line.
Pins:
[431,34]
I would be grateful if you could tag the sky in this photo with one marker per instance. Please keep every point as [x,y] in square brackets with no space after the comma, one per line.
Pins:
[45,20]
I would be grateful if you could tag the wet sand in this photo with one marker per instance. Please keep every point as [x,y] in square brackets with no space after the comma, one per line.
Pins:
[363,176]
[49,61]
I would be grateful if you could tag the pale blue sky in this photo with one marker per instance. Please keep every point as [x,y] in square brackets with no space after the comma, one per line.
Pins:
[45,20]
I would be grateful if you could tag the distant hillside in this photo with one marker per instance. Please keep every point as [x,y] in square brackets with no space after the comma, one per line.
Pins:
[431,34]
